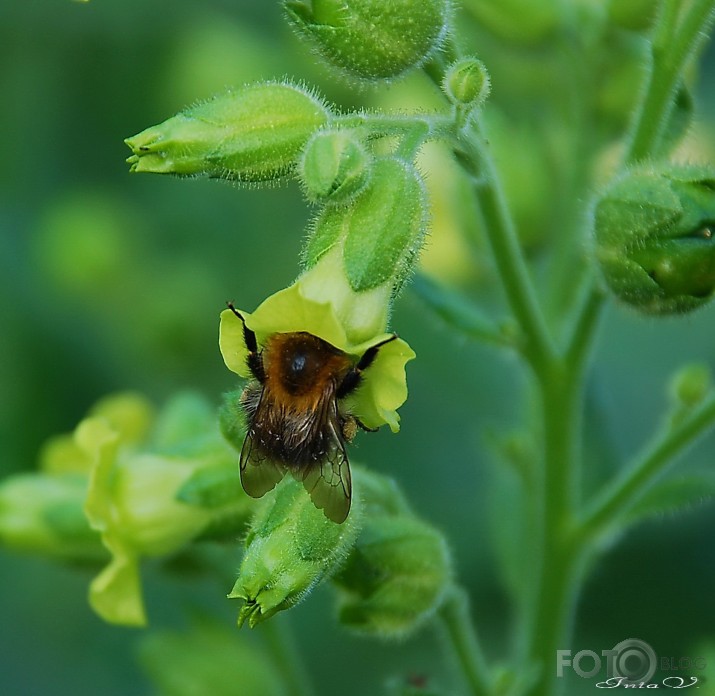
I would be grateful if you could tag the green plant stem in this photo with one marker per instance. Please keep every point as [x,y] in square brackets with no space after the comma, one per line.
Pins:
[456,311]
[286,658]
[638,477]
[538,347]
[585,323]
[670,54]
[463,642]
[554,586]
[408,126]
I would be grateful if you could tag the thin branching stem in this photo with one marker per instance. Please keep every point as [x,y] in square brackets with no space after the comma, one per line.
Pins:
[463,642]
[281,642]
[672,48]
[635,480]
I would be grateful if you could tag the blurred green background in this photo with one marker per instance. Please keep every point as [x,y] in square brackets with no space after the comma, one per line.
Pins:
[110,281]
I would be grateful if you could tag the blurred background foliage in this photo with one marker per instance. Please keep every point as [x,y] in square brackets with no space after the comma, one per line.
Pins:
[110,281]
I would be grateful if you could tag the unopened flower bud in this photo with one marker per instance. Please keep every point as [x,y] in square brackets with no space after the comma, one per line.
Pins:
[290,548]
[467,83]
[394,577]
[654,238]
[380,232]
[371,39]
[690,384]
[334,167]
[251,134]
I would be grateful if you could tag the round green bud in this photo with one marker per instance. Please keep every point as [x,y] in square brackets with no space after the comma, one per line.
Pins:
[251,134]
[691,384]
[380,232]
[334,167]
[653,231]
[466,83]
[290,548]
[394,577]
[371,39]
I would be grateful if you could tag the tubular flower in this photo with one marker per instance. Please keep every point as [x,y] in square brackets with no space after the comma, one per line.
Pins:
[150,495]
[296,308]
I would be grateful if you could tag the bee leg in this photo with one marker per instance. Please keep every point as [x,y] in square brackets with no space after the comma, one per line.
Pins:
[255,364]
[352,378]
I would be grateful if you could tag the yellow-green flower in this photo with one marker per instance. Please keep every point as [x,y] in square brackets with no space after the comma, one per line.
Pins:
[43,511]
[129,483]
[298,308]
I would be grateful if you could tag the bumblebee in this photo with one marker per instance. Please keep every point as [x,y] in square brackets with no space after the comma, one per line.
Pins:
[296,418]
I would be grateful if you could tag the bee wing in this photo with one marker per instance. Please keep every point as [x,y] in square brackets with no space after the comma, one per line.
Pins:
[328,481]
[259,473]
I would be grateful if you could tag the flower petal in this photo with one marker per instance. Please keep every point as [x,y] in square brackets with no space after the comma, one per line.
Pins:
[384,388]
[116,593]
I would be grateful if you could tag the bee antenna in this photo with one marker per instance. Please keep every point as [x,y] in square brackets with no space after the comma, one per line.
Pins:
[248,336]
[232,307]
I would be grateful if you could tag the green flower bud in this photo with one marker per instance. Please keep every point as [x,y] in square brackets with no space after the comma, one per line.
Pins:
[380,233]
[371,39]
[653,232]
[43,513]
[395,576]
[334,167]
[251,134]
[290,548]
[466,83]
[690,385]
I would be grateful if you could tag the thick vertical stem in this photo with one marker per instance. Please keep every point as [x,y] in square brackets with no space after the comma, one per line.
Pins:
[556,585]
